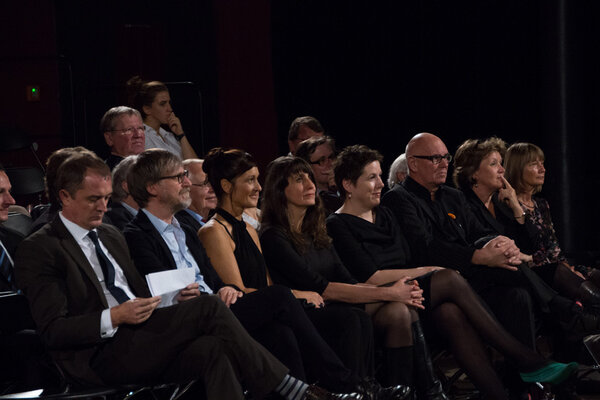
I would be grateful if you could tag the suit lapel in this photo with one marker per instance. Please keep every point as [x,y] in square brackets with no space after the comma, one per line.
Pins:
[145,224]
[72,248]
[122,257]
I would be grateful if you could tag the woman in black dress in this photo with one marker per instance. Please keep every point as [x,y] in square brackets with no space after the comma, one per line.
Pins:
[234,250]
[299,255]
[369,242]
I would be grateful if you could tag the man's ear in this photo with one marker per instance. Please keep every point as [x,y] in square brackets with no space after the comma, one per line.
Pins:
[226,185]
[412,163]
[108,139]
[150,188]
[64,196]
[125,187]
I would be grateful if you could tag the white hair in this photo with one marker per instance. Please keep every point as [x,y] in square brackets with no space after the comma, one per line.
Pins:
[399,165]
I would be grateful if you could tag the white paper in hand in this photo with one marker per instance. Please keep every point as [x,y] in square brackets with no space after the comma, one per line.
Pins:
[168,283]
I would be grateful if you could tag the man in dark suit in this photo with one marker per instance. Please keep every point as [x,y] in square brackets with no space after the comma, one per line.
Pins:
[122,207]
[9,239]
[94,312]
[442,230]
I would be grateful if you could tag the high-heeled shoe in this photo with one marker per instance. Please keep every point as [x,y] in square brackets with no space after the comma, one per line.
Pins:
[552,372]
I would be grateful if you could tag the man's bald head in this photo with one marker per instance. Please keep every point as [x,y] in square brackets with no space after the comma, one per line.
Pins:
[422,167]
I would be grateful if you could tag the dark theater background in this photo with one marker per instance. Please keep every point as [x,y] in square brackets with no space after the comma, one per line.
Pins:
[373,72]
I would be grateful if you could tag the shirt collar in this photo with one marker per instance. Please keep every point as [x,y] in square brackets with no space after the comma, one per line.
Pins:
[415,187]
[195,215]
[132,210]
[160,225]
[75,230]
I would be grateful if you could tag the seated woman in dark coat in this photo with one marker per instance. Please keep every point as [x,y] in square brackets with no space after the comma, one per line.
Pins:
[235,253]
[525,171]
[371,245]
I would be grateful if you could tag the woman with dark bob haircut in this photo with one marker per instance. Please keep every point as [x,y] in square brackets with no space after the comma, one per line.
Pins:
[525,171]
[235,253]
[371,245]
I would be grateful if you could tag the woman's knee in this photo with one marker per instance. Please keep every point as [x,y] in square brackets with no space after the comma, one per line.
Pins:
[394,314]
[448,314]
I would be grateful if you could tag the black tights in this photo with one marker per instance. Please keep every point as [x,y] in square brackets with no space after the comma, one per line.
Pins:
[463,321]
[394,320]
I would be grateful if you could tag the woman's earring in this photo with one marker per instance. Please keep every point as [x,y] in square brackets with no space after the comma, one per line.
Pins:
[349,195]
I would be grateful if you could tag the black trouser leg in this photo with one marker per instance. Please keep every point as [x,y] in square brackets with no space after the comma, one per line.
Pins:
[276,304]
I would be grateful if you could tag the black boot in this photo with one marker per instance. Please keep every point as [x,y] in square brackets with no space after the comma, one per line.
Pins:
[372,390]
[589,293]
[397,373]
[572,317]
[428,385]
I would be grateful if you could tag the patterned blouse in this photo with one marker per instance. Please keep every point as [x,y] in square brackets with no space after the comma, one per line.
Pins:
[542,233]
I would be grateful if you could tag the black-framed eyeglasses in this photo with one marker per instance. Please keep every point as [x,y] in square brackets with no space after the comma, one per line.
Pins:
[323,160]
[179,177]
[130,130]
[203,184]
[436,158]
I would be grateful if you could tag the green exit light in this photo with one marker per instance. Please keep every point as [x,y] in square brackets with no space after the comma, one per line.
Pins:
[33,90]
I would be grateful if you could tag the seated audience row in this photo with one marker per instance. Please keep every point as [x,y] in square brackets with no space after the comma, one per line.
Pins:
[369,266]
[100,323]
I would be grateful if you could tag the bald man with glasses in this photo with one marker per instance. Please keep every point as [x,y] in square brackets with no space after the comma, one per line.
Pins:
[443,231]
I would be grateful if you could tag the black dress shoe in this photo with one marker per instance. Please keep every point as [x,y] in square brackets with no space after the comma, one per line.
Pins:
[372,390]
[315,392]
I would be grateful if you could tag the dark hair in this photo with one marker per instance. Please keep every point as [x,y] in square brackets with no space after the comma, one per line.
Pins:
[308,147]
[350,163]
[107,123]
[468,158]
[274,205]
[518,156]
[72,171]
[309,121]
[150,166]
[143,93]
[53,162]
[221,164]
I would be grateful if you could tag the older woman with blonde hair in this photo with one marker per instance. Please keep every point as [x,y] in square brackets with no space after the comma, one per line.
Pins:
[526,172]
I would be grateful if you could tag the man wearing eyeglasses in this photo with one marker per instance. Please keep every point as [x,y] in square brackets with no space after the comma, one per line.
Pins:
[123,131]
[442,230]
[95,313]
[203,196]
[319,152]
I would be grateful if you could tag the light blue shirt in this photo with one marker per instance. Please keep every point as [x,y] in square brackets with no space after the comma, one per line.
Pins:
[196,216]
[174,237]
[132,210]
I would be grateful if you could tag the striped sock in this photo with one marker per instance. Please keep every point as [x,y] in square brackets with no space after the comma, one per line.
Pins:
[291,388]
